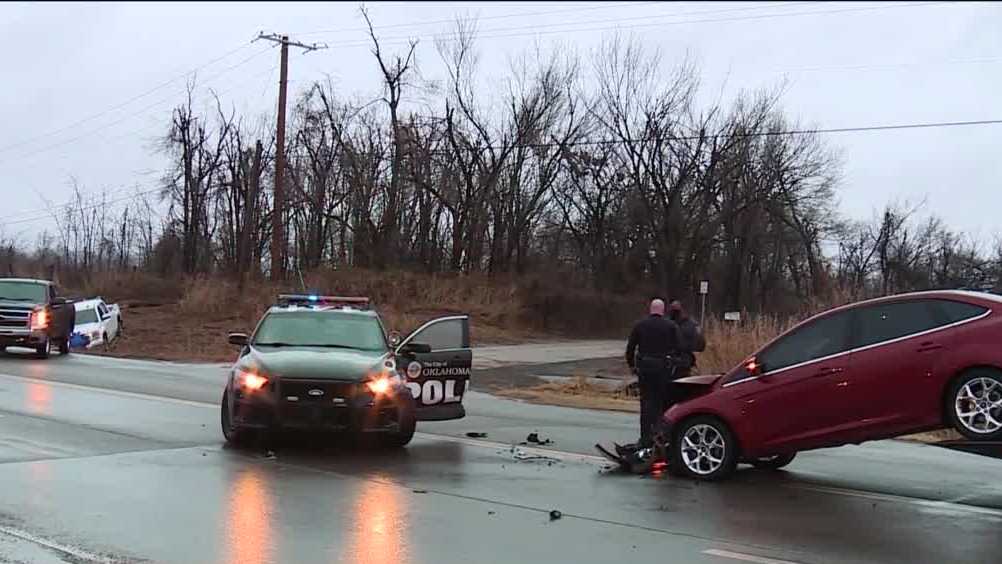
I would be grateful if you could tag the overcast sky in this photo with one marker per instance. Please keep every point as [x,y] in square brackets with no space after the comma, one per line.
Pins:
[89,86]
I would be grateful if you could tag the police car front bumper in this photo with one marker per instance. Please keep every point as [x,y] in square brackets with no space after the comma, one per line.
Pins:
[342,406]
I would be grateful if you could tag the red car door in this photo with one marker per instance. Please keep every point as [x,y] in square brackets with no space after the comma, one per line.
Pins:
[896,381]
[795,401]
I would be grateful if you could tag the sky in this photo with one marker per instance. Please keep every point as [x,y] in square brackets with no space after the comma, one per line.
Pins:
[89,86]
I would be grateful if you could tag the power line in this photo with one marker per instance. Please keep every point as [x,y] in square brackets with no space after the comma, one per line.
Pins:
[492,34]
[122,104]
[128,116]
[792,132]
[27,216]
[86,207]
[789,132]
[484,18]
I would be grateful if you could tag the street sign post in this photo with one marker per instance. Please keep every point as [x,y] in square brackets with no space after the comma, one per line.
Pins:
[704,289]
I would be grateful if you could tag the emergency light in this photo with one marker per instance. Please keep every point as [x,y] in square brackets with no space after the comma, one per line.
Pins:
[326,301]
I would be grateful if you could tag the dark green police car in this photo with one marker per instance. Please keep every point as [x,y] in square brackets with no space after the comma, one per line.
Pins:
[326,363]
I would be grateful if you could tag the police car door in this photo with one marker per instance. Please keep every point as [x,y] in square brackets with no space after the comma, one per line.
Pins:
[435,361]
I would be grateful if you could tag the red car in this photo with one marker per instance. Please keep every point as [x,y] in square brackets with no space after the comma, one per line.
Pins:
[871,370]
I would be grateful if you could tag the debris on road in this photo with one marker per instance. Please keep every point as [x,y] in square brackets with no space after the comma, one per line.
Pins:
[520,455]
[491,512]
[476,435]
[420,491]
[554,515]
[270,455]
[533,438]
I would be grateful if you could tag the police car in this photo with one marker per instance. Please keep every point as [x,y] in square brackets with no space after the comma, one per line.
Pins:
[327,363]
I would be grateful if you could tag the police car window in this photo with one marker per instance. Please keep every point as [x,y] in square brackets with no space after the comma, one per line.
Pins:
[884,322]
[441,335]
[824,337]
[321,329]
[952,312]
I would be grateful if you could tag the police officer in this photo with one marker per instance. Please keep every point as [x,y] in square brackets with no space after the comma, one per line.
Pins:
[648,351]
[692,339]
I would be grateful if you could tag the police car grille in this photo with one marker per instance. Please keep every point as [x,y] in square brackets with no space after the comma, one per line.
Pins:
[316,391]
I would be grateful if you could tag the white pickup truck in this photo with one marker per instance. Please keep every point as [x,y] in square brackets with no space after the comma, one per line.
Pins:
[97,323]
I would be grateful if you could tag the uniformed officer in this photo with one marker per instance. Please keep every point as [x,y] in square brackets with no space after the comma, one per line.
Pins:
[648,352]
[692,339]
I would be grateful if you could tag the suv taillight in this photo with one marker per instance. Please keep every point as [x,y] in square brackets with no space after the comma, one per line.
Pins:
[39,319]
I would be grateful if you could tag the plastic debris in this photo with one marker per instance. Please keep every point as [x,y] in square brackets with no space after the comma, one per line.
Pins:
[476,435]
[420,491]
[270,455]
[554,515]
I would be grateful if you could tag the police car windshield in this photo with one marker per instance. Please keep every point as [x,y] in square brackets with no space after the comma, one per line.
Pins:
[330,329]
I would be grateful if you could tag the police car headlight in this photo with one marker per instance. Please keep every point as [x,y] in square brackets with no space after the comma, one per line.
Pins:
[380,385]
[250,381]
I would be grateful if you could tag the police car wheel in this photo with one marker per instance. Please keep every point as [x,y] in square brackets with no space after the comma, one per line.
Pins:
[407,421]
[233,435]
[703,448]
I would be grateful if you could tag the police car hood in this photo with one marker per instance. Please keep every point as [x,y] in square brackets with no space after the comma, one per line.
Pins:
[315,363]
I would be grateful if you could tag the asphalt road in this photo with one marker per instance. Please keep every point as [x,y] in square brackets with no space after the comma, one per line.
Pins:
[121,460]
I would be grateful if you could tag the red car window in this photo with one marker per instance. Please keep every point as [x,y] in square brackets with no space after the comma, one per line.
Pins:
[818,339]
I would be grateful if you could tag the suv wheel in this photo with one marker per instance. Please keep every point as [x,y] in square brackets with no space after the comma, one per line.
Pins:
[703,448]
[42,350]
[64,346]
[974,404]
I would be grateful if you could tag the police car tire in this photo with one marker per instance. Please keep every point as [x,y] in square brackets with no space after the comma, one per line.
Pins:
[407,420]
[236,437]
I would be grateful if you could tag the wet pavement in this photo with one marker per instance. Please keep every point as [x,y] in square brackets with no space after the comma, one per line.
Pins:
[117,460]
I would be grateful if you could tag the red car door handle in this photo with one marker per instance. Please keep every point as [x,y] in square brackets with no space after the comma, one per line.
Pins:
[830,370]
[929,346]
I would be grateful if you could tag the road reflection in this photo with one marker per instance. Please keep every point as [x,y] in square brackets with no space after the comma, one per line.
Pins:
[248,531]
[380,527]
[39,398]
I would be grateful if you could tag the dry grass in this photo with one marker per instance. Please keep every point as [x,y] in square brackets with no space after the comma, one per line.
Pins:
[728,343]
[579,392]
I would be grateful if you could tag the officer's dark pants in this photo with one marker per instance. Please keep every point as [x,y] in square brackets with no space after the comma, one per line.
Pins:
[654,376]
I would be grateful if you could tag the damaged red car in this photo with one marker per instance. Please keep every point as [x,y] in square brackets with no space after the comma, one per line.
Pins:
[871,370]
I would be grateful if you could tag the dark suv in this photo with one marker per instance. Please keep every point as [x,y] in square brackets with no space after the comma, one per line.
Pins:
[33,316]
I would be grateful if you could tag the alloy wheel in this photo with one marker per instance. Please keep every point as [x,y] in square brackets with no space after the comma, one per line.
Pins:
[978,405]
[703,449]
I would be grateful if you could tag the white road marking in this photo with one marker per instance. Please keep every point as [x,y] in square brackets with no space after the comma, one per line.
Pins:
[60,548]
[745,557]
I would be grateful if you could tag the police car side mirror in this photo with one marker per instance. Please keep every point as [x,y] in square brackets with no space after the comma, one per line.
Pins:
[238,339]
[395,338]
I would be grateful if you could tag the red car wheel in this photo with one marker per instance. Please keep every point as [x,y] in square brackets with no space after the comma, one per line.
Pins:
[703,448]
[975,405]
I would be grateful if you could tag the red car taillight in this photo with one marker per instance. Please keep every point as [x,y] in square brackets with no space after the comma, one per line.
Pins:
[39,319]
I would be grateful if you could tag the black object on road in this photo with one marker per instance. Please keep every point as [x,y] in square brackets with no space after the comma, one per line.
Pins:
[534,439]
[554,515]
[476,435]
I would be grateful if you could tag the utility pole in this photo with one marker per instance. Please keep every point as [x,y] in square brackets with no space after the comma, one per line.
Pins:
[278,243]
